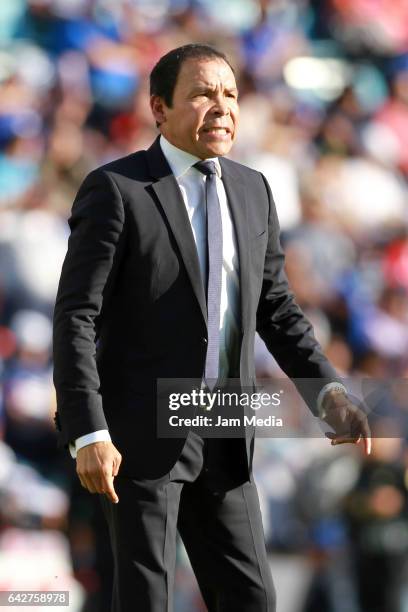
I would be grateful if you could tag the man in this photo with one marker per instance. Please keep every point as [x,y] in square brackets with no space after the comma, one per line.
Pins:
[148,291]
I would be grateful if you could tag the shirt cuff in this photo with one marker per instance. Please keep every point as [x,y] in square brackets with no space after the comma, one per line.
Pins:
[323,391]
[102,435]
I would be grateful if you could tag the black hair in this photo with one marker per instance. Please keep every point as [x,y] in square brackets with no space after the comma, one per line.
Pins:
[163,77]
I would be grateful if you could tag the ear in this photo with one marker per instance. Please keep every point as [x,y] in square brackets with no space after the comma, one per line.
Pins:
[158,107]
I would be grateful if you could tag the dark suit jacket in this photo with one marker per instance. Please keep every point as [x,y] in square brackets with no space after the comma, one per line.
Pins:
[131,306]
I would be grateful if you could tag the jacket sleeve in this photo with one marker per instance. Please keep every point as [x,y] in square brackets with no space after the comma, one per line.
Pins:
[282,325]
[94,248]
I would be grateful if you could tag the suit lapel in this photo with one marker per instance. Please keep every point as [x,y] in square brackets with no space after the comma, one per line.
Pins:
[168,192]
[171,200]
[236,195]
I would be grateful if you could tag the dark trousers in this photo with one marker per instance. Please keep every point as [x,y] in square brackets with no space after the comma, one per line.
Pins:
[219,520]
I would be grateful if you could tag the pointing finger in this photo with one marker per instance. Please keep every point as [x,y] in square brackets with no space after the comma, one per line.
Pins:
[109,490]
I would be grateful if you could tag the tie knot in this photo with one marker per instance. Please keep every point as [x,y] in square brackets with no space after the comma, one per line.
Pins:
[206,167]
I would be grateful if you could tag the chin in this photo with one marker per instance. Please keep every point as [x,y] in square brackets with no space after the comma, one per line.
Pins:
[218,149]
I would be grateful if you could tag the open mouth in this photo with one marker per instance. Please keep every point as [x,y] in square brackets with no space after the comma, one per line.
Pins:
[217,130]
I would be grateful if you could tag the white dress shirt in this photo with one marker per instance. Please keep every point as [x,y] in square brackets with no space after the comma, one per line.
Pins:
[192,186]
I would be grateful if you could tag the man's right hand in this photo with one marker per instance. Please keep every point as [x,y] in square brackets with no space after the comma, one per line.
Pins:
[97,464]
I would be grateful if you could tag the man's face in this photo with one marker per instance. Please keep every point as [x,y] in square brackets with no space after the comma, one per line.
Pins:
[204,115]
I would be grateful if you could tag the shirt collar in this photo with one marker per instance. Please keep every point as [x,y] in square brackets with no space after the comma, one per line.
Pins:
[180,161]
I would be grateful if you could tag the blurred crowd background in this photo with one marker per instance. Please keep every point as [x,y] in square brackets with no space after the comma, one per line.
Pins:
[324,115]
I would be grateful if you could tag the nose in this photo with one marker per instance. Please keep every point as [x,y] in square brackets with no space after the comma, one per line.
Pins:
[221,106]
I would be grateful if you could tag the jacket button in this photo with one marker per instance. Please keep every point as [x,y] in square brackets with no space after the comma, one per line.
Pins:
[204,341]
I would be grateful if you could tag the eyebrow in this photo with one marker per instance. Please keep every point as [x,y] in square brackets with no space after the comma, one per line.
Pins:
[207,86]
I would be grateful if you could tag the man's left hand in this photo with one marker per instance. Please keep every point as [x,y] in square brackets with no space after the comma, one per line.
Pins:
[349,422]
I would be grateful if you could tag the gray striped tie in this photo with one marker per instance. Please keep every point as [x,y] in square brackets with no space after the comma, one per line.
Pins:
[214,271]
